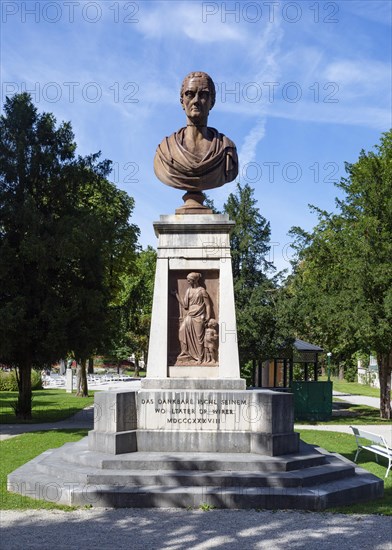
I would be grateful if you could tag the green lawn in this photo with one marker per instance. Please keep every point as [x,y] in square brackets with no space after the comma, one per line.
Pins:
[19,450]
[345,445]
[348,413]
[142,373]
[48,406]
[353,387]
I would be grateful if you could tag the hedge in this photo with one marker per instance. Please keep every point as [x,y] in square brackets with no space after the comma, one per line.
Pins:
[8,381]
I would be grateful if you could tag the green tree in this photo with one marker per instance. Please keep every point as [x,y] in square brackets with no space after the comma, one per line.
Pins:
[141,292]
[104,259]
[131,315]
[342,284]
[254,290]
[54,244]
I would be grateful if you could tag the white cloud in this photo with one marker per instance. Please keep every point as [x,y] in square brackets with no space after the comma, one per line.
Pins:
[248,150]
[365,74]
[265,57]
[167,20]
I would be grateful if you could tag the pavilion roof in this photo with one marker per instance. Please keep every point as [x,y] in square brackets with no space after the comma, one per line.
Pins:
[301,345]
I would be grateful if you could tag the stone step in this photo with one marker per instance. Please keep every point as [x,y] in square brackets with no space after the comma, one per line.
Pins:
[79,454]
[175,478]
[360,487]
[216,479]
[75,476]
[346,491]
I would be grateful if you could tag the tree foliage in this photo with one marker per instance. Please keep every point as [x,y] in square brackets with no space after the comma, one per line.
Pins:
[132,312]
[341,289]
[65,239]
[254,286]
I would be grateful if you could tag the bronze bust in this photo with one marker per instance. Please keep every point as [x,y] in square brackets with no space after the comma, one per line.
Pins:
[196,157]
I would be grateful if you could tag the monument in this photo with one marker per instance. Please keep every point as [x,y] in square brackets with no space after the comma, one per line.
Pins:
[193,433]
[193,396]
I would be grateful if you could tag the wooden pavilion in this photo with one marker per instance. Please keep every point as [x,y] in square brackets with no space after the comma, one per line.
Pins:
[279,372]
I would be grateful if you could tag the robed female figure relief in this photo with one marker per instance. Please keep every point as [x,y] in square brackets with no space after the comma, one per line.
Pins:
[196,314]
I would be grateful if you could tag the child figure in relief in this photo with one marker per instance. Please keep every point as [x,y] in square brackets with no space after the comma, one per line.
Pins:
[211,342]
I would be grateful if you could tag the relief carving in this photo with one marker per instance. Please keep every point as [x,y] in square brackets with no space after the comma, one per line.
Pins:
[198,331]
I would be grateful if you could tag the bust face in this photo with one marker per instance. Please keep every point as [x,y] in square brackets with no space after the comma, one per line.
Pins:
[196,100]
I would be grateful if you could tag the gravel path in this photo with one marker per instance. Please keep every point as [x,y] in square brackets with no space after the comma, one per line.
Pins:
[358,399]
[173,529]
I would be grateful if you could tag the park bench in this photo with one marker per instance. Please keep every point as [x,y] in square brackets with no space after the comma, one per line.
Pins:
[378,445]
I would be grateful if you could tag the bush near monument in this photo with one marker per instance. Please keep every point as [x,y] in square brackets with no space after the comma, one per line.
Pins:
[8,381]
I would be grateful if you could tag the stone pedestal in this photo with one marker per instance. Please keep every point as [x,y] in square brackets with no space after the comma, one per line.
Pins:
[187,404]
[69,381]
[115,422]
[202,420]
[189,243]
[225,421]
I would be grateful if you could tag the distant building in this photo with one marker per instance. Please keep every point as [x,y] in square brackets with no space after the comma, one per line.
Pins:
[368,374]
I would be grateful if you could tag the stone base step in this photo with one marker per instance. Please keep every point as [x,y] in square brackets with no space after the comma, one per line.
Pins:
[78,453]
[361,487]
[325,495]
[312,480]
[184,477]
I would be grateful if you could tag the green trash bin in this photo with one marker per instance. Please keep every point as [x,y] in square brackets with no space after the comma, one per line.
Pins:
[312,400]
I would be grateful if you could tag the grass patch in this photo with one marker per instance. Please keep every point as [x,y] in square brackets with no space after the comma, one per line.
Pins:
[353,387]
[205,507]
[19,450]
[142,373]
[348,413]
[345,445]
[48,406]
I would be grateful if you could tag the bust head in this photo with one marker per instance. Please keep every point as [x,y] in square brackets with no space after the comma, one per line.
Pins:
[203,79]
[197,157]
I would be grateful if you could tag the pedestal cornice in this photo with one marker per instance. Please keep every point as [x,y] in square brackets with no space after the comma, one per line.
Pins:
[193,223]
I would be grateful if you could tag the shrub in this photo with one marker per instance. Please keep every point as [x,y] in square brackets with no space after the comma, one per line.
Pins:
[247,372]
[36,380]
[8,381]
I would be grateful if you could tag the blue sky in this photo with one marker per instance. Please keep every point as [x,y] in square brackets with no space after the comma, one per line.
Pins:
[302,87]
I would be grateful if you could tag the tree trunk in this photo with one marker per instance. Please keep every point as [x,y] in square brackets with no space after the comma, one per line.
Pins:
[81,379]
[23,405]
[254,373]
[341,371]
[137,368]
[90,369]
[384,361]
[145,359]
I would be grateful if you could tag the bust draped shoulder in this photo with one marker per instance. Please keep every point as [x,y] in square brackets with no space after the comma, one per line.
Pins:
[178,167]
